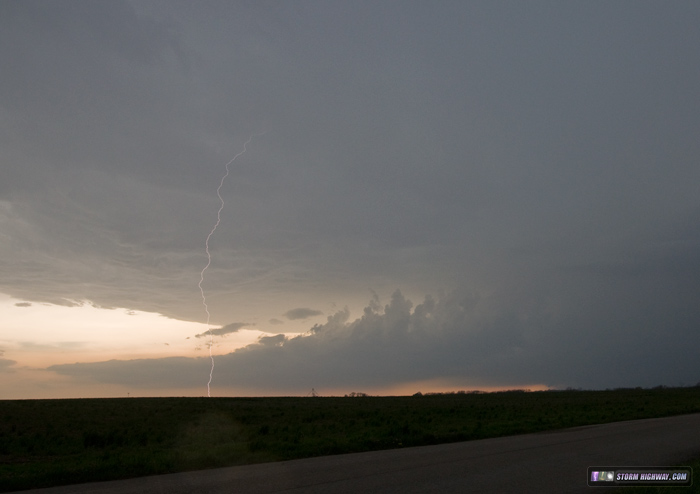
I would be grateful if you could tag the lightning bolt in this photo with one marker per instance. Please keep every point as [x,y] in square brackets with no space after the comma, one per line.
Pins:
[206,245]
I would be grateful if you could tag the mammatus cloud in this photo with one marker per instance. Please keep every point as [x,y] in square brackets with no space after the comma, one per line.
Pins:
[301,313]
[224,330]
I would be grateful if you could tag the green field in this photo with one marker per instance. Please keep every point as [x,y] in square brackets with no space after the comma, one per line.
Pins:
[55,442]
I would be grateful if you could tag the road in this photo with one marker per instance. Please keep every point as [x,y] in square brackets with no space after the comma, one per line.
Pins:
[542,462]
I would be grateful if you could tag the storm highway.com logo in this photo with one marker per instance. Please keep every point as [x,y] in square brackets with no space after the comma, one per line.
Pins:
[609,476]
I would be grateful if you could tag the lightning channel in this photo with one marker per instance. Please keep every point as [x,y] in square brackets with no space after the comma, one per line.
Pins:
[206,246]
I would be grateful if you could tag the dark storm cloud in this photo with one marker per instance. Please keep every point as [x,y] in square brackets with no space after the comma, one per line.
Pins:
[224,330]
[433,143]
[77,81]
[541,155]
[518,337]
[166,372]
[276,340]
[301,313]
[84,101]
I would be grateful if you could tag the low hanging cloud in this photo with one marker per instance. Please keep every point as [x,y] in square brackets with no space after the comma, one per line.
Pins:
[6,364]
[514,337]
[276,340]
[301,313]
[23,304]
[224,330]
[169,372]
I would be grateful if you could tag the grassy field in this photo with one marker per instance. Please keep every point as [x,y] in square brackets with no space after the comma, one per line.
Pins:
[55,442]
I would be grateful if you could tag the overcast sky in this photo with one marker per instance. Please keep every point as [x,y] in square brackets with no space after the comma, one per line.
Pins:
[433,195]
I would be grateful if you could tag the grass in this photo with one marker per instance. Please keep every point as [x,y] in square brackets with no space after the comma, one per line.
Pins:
[56,442]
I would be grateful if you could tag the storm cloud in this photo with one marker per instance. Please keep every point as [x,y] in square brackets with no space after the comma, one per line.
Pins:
[514,338]
[6,364]
[224,330]
[532,166]
[301,313]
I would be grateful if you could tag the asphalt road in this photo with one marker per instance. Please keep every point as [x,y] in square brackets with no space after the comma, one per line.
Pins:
[542,462]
